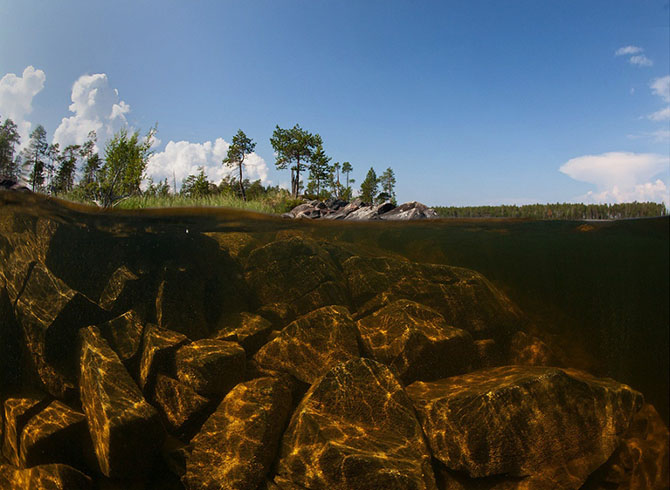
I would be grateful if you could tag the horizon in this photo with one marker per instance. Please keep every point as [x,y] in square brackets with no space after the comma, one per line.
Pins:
[471,106]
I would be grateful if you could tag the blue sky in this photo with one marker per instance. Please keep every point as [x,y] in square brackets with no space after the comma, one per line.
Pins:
[470,102]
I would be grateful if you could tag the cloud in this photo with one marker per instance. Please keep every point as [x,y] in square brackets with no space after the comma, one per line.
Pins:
[627,50]
[181,158]
[661,87]
[662,115]
[640,60]
[16,97]
[620,176]
[96,106]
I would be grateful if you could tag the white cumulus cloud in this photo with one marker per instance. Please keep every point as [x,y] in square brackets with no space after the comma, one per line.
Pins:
[627,50]
[16,98]
[620,176]
[662,115]
[661,87]
[181,158]
[640,60]
[96,107]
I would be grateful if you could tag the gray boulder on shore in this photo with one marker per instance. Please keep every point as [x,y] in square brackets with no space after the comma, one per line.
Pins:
[357,210]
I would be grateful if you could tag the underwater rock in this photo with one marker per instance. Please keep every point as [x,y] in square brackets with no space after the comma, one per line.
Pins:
[415,342]
[302,274]
[55,435]
[120,291]
[124,335]
[248,329]
[527,350]
[553,426]
[279,314]
[211,367]
[126,430]
[465,298]
[51,315]
[488,353]
[44,477]
[158,354]
[10,343]
[182,407]
[236,244]
[238,442]
[356,428]
[18,411]
[180,303]
[312,344]
[642,458]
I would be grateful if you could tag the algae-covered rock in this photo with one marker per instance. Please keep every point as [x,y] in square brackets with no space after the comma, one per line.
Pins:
[18,411]
[248,329]
[211,367]
[237,444]
[51,315]
[465,298]
[158,353]
[553,426]
[356,428]
[312,344]
[302,274]
[126,430]
[124,335]
[182,407]
[44,477]
[415,342]
[57,434]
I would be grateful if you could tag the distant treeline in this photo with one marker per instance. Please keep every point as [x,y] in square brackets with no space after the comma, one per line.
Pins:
[557,211]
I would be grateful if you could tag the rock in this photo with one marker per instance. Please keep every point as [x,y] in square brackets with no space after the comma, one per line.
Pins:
[126,430]
[237,444]
[45,477]
[523,421]
[57,434]
[124,335]
[180,303]
[303,275]
[415,342]
[236,244]
[10,343]
[355,428]
[120,291]
[248,329]
[370,212]
[642,458]
[183,409]
[158,355]
[527,350]
[312,344]
[409,211]
[211,367]
[18,411]
[279,314]
[465,298]
[51,315]
[488,353]
[11,184]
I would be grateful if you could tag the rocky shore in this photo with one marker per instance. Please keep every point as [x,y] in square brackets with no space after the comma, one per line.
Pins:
[336,209]
[280,361]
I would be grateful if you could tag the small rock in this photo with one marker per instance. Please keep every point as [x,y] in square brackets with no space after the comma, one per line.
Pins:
[237,444]
[120,291]
[248,329]
[312,344]
[182,407]
[158,354]
[124,335]
[211,367]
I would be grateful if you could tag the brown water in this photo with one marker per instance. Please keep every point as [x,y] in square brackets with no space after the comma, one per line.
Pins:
[596,292]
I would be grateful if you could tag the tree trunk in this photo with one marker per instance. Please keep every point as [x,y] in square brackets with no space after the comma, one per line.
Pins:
[244,196]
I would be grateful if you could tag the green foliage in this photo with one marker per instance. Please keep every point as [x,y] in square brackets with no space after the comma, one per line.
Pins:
[387,182]
[347,192]
[240,148]
[569,211]
[161,189]
[196,185]
[10,164]
[126,158]
[64,181]
[296,146]
[369,187]
[319,173]
[34,158]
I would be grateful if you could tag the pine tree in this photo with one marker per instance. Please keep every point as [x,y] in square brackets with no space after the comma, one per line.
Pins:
[319,170]
[369,187]
[10,163]
[240,148]
[294,145]
[387,182]
[34,157]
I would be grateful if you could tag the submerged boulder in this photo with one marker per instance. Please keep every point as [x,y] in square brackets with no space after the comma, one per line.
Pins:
[312,344]
[183,409]
[121,290]
[44,477]
[18,411]
[126,430]
[237,444]
[124,335]
[248,329]
[415,342]
[355,428]
[158,355]
[552,426]
[211,367]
